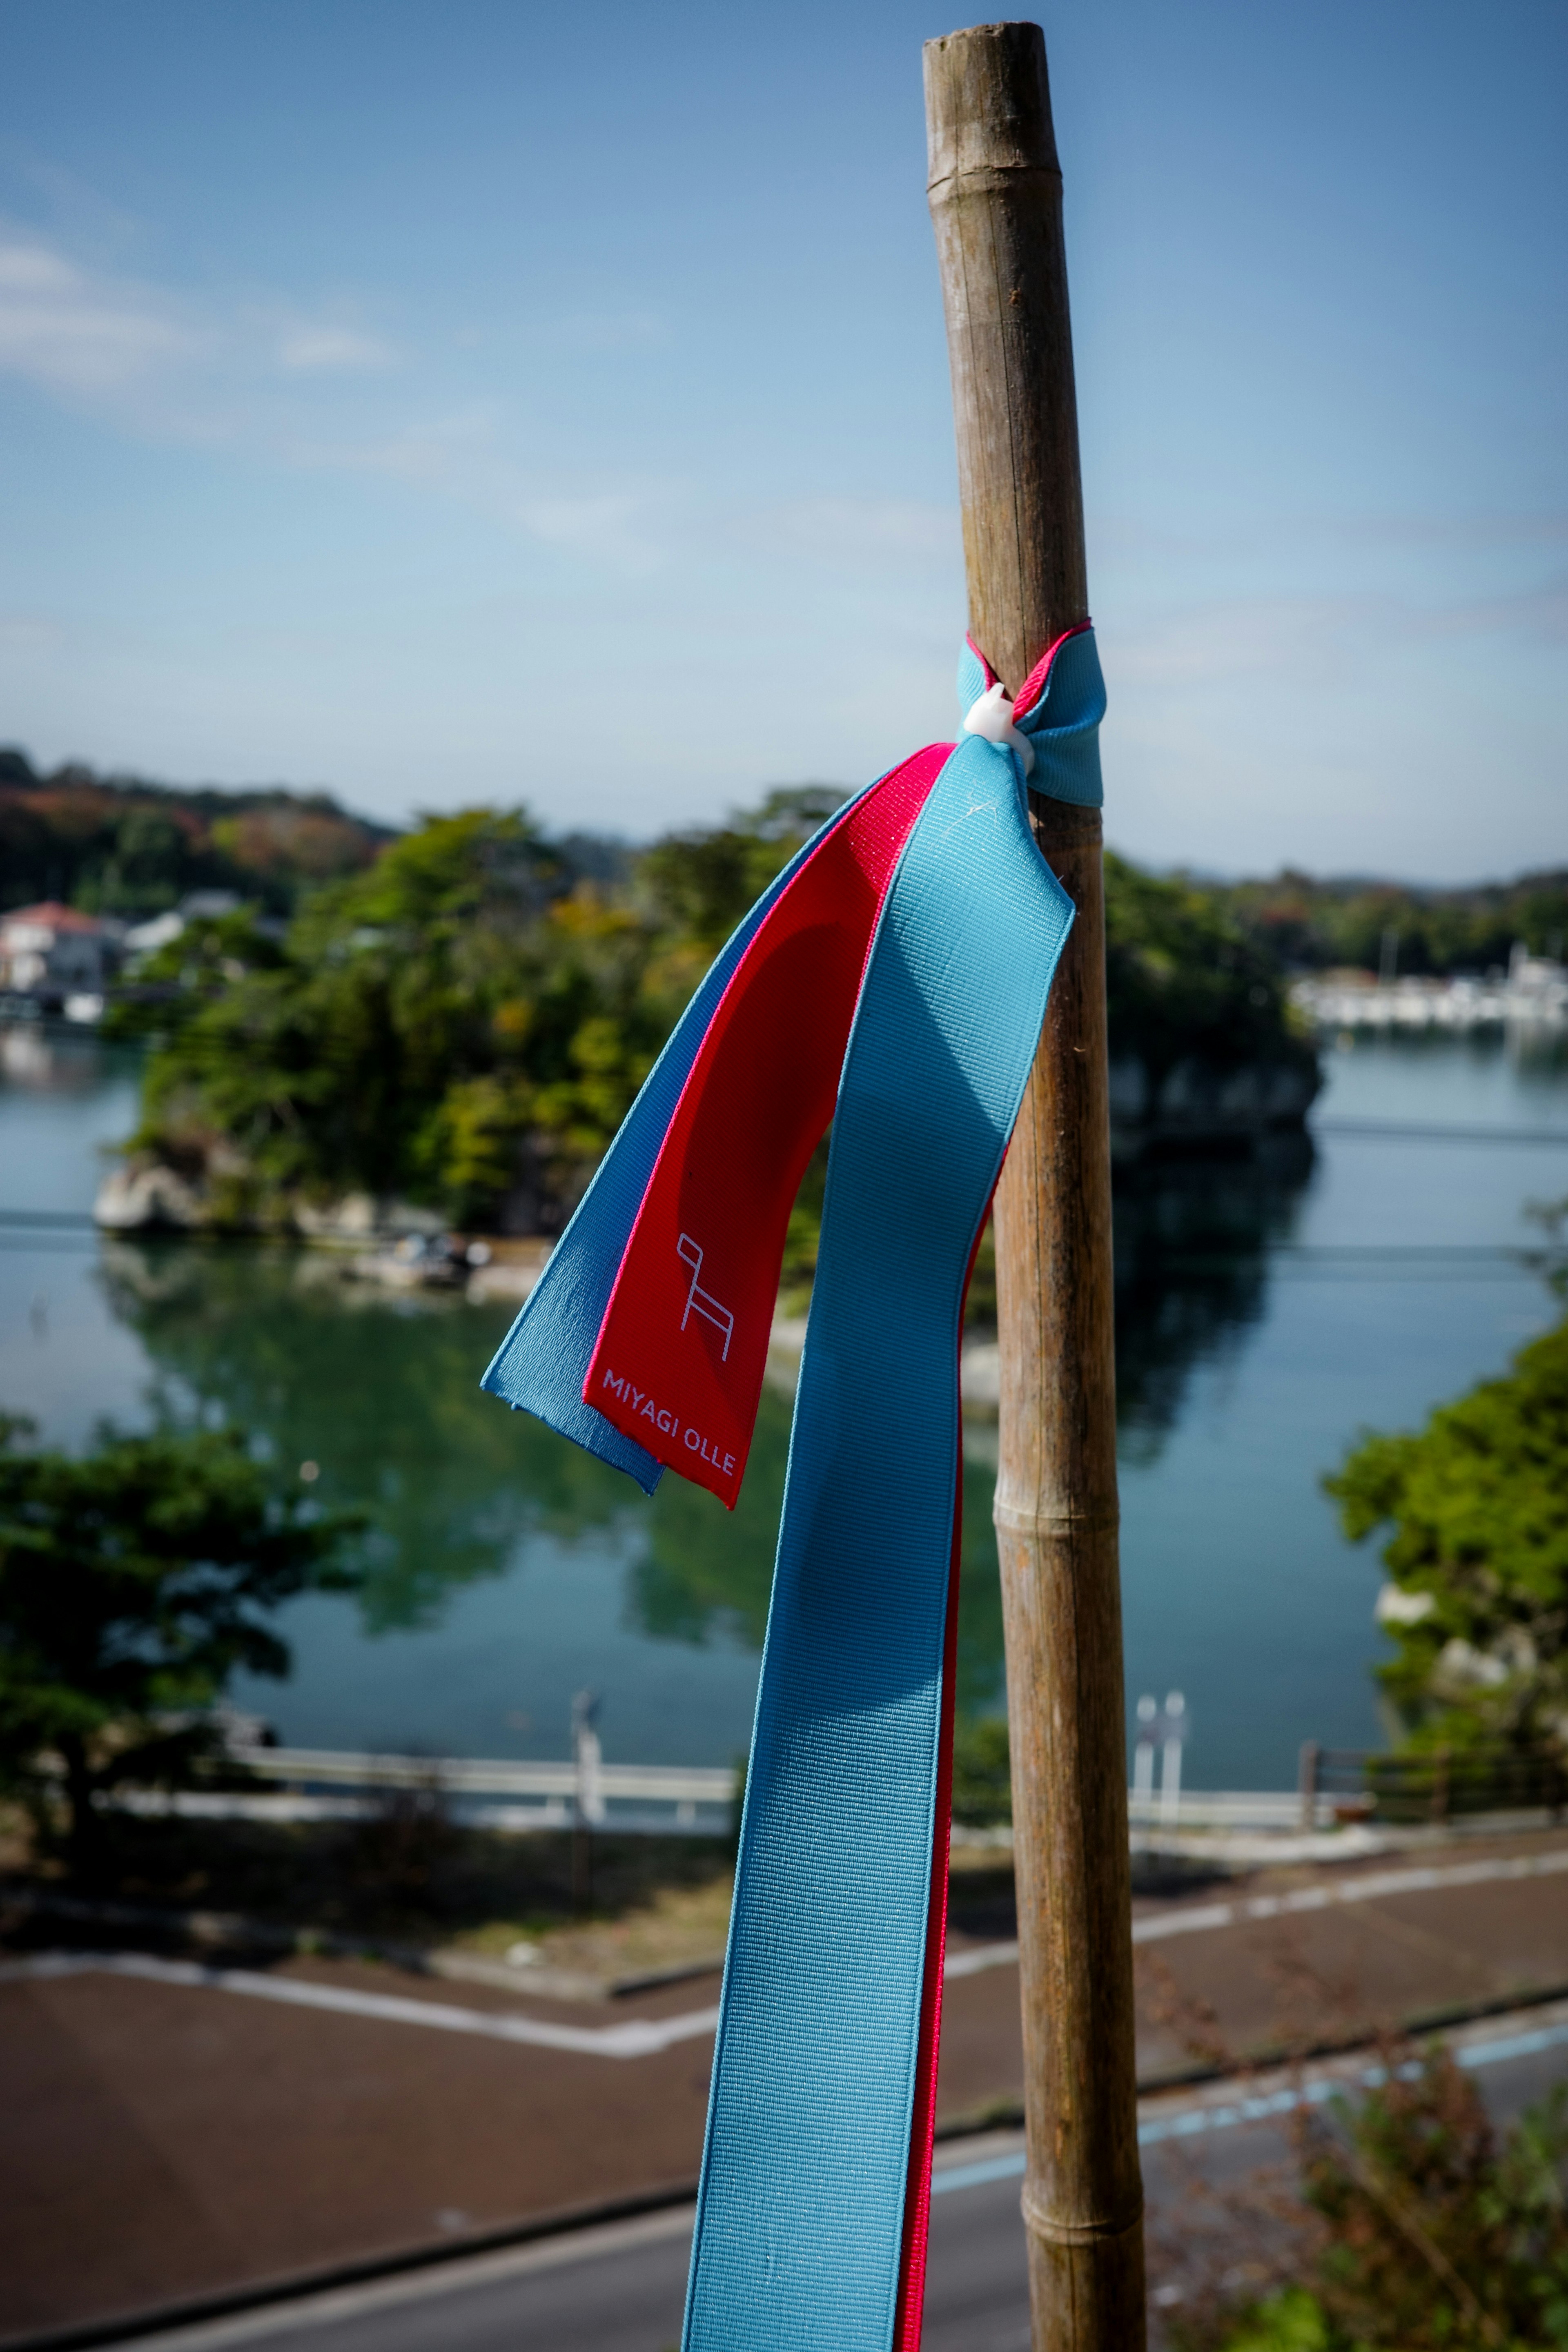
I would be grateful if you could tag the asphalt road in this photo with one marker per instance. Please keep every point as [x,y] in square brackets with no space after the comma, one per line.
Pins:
[619,2289]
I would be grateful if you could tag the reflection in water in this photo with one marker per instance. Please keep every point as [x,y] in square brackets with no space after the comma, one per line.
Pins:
[1191,1237]
[1192,1241]
[44,1059]
[381,1391]
[511,1570]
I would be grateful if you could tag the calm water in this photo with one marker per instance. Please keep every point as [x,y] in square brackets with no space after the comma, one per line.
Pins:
[1269,1311]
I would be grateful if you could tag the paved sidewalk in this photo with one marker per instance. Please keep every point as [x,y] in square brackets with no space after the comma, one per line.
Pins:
[169,2131]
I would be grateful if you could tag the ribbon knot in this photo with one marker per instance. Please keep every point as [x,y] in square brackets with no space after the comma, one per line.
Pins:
[1052,722]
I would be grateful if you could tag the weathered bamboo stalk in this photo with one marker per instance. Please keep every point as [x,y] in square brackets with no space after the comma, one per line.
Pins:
[996,202]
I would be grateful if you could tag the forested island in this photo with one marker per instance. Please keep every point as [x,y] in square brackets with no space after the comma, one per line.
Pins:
[462,1023]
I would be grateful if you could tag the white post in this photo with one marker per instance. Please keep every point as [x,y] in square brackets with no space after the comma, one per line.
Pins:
[1175,1727]
[590,1756]
[1143,1761]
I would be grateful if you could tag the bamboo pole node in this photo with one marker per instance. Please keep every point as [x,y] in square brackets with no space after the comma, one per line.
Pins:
[1063,2232]
[1055,1523]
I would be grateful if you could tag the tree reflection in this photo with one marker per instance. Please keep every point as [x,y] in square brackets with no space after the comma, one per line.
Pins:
[1192,1240]
[382,1392]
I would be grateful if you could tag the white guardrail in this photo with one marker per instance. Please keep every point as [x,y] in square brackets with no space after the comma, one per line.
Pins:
[463,1776]
[321,1783]
[327,1784]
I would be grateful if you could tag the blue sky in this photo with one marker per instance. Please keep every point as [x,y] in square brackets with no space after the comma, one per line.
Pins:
[478,402]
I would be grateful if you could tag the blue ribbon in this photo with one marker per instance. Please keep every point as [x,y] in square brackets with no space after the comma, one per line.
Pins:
[801,2210]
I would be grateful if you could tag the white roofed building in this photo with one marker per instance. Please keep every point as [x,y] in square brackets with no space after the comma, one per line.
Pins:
[55,951]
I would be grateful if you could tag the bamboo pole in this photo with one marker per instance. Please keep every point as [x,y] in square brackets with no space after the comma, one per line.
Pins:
[996,203]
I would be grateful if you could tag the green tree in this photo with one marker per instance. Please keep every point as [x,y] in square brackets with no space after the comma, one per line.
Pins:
[457,1025]
[704,881]
[1477,1503]
[134,1580]
[1184,980]
[1473,928]
[466,1023]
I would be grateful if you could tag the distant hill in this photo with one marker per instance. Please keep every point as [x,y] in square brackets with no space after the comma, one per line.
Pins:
[120,845]
[1309,924]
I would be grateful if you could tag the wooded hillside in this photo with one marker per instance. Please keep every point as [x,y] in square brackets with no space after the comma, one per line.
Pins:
[117,845]
[1311,925]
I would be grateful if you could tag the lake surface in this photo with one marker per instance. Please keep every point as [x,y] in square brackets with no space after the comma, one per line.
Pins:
[1268,1311]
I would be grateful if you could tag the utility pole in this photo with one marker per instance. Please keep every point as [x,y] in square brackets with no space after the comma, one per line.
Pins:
[996,202]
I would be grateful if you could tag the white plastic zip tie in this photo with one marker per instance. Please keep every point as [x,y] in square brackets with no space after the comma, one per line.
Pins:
[992,717]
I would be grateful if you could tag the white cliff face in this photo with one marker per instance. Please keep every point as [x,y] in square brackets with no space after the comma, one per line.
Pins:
[143,1195]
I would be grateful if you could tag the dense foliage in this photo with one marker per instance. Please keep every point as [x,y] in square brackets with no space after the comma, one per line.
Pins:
[131,1583]
[465,1023]
[1477,1503]
[1312,924]
[1184,978]
[115,846]
[1427,2229]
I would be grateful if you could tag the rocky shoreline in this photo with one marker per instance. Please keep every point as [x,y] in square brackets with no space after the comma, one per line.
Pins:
[1194,1106]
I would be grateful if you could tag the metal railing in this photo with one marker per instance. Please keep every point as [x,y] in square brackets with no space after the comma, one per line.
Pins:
[1338,1787]
[1349,1784]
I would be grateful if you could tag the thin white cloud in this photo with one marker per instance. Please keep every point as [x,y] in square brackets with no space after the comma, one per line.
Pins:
[1465,530]
[156,360]
[1539,612]
[631,529]
[66,330]
[440,453]
[862,531]
[313,349]
[610,526]
[163,365]
[29,636]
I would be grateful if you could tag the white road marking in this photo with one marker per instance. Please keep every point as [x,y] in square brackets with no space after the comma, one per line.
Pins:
[977,1958]
[1371,1886]
[642,2037]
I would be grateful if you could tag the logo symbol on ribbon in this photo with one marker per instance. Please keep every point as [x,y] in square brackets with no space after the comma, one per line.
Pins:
[703,1302]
